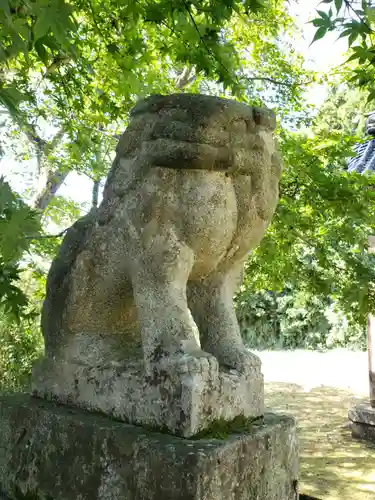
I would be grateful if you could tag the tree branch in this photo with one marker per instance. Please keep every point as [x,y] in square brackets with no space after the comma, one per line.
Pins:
[53,142]
[95,194]
[44,236]
[275,82]
[349,6]
[99,130]
[187,76]
[54,181]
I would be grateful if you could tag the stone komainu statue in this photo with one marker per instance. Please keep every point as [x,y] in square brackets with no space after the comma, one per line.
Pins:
[191,191]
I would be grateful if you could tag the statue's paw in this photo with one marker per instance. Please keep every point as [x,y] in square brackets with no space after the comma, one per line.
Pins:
[237,358]
[185,363]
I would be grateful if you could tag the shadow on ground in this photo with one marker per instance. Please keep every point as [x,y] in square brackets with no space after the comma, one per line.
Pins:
[333,466]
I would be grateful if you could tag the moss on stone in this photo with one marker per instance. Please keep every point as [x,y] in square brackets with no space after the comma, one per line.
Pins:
[29,495]
[218,429]
[222,429]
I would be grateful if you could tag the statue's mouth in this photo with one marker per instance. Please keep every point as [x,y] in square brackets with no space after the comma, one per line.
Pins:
[169,153]
[180,154]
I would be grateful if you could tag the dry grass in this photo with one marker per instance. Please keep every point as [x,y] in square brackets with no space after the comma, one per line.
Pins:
[318,389]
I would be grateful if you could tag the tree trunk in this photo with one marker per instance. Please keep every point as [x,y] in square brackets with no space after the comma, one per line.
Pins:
[54,182]
[95,194]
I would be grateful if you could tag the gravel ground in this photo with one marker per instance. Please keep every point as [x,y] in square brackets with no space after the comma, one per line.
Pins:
[318,389]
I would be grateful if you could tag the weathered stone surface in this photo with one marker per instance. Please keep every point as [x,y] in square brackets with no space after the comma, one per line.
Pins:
[183,402]
[150,275]
[362,419]
[362,414]
[363,431]
[49,452]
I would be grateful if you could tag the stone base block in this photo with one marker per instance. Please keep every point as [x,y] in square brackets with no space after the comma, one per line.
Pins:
[51,452]
[362,419]
[182,399]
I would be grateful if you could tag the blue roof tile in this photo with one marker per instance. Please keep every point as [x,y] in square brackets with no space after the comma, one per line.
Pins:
[364,162]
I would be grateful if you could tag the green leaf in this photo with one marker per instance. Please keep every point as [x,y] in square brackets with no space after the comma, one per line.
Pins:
[254,5]
[371,96]
[42,52]
[345,33]
[60,32]
[112,48]
[11,97]
[353,57]
[154,13]
[319,34]
[318,22]
[4,6]
[43,23]
[323,14]
[338,5]
[7,197]
[370,14]
[21,27]
[353,37]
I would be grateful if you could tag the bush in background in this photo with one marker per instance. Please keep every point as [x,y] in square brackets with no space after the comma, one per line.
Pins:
[20,345]
[21,340]
[295,319]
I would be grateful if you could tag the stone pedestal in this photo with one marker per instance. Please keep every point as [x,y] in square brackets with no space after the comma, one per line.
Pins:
[180,399]
[51,452]
[362,419]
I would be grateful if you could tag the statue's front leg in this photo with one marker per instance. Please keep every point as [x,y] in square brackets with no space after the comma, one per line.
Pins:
[211,302]
[169,333]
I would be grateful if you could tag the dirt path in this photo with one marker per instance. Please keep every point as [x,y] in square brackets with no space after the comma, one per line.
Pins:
[318,389]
